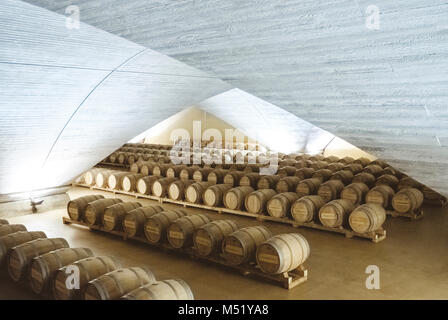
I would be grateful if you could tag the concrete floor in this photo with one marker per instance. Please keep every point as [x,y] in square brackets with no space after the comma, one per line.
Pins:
[412,260]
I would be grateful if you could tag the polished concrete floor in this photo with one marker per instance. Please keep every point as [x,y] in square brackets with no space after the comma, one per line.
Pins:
[413,260]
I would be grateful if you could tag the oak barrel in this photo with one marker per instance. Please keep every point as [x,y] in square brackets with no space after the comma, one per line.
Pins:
[115,284]
[3,221]
[323,174]
[363,161]
[330,190]
[234,198]
[134,221]
[355,192]
[76,208]
[217,176]
[408,182]
[282,253]
[146,169]
[306,209]
[336,166]
[187,172]
[308,186]
[335,213]
[6,229]
[373,169]
[388,179]
[346,160]
[367,217]
[156,226]
[115,180]
[355,168]
[213,195]
[180,232]
[195,191]
[174,171]
[201,174]
[89,176]
[407,200]
[114,215]
[129,182]
[144,185]
[256,201]
[102,178]
[345,176]
[279,206]
[319,165]
[160,187]
[287,184]
[172,289]
[286,171]
[95,210]
[176,190]
[14,239]
[249,179]
[208,238]
[366,178]
[233,177]
[19,257]
[89,269]
[160,170]
[268,182]
[44,267]
[381,194]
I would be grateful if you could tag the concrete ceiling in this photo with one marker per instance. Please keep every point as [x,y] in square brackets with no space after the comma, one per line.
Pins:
[385,90]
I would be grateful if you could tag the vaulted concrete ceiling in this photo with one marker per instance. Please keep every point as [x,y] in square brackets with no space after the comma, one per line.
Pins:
[385,90]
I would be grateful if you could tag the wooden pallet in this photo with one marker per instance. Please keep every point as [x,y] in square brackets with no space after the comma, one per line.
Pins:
[414,215]
[375,236]
[287,280]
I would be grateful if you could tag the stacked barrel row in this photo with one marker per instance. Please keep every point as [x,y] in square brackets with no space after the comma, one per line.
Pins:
[274,254]
[51,268]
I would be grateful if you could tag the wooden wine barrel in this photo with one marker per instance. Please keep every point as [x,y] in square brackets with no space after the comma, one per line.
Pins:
[279,206]
[363,161]
[388,179]
[331,159]
[322,174]
[146,169]
[381,194]
[345,176]
[306,209]
[176,190]
[156,225]
[213,195]
[390,170]
[208,238]
[6,229]
[14,239]
[95,210]
[366,178]
[135,167]
[373,169]
[217,176]
[233,177]
[287,163]
[308,186]
[19,257]
[408,182]
[195,191]
[43,268]
[180,232]
[115,180]
[160,187]
[3,221]
[335,213]
[346,160]
[89,176]
[115,284]
[287,184]
[330,190]
[355,192]
[256,201]
[336,166]
[317,157]
[380,163]
[367,217]
[282,253]
[302,163]
[201,174]
[134,221]
[286,171]
[173,289]
[407,200]
[129,182]
[187,173]
[89,269]
[131,158]
[240,246]
[144,185]
[235,197]
[355,168]
[250,179]
[160,170]
[319,165]
[113,158]
[114,215]
[102,178]
[174,171]
[268,182]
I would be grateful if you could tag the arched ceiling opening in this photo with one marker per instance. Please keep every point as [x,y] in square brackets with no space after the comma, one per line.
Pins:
[383,90]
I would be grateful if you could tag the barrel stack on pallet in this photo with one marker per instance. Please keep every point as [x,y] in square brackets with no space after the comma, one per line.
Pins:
[219,241]
[47,266]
